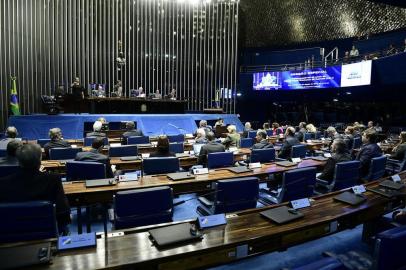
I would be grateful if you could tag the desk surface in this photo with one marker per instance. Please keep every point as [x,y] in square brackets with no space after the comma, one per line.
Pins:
[247,231]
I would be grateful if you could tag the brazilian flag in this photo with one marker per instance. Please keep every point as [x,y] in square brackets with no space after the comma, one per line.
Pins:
[14,107]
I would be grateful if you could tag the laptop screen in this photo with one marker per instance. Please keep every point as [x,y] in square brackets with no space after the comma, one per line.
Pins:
[196,148]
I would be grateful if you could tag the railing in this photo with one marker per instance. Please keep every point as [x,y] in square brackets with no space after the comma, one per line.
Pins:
[333,56]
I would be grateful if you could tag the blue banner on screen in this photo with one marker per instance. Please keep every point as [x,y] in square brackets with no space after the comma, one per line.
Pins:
[316,78]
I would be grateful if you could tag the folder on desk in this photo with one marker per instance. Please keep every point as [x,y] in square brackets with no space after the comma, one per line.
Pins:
[175,234]
[285,163]
[77,241]
[350,198]
[100,182]
[239,169]
[180,176]
[391,185]
[282,214]
[319,158]
[383,191]
[130,158]
[144,145]
[181,155]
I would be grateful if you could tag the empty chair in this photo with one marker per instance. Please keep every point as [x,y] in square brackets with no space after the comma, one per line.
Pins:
[252,134]
[81,170]
[138,140]
[8,169]
[307,136]
[176,147]
[221,159]
[89,140]
[246,142]
[296,184]
[376,169]
[262,155]
[389,249]
[324,263]
[63,153]
[160,165]
[143,207]
[25,221]
[357,143]
[346,174]
[298,151]
[123,151]
[42,142]
[176,138]
[394,166]
[231,196]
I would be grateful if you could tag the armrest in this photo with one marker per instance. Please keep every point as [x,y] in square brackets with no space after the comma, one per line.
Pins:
[280,159]
[206,202]
[110,213]
[322,182]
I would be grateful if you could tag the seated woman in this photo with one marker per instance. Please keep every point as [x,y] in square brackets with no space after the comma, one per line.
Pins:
[399,151]
[200,136]
[311,128]
[233,138]
[276,129]
[162,148]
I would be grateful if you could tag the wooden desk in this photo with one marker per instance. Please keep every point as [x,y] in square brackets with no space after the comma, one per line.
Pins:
[247,231]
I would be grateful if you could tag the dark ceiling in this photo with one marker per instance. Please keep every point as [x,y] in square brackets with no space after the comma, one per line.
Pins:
[278,23]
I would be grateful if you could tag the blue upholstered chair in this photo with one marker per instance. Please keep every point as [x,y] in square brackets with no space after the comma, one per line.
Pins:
[307,136]
[25,221]
[160,165]
[317,135]
[377,168]
[296,184]
[3,153]
[269,132]
[221,159]
[246,142]
[138,140]
[298,151]
[389,249]
[328,263]
[42,142]
[176,147]
[231,196]
[346,174]
[394,166]
[123,151]
[357,143]
[63,153]
[262,155]
[252,134]
[143,207]
[81,170]
[89,140]
[176,138]
[8,169]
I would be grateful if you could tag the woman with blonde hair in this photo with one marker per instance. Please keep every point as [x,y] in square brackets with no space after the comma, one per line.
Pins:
[311,128]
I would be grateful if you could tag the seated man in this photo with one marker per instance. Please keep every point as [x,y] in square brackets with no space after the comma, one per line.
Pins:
[97,127]
[203,124]
[301,131]
[220,122]
[211,147]
[247,128]
[30,184]
[11,134]
[200,136]
[162,148]
[57,141]
[262,142]
[339,154]
[349,136]
[94,155]
[399,151]
[233,138]
[131,130]
[369,150]
[11,158]
[290,140]
[332,134]
[157,95]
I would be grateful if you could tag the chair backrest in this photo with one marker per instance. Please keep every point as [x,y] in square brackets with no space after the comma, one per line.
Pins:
[269,132]
[143,207]
[389,249]
[123,151]
[252,134]
[346,174]
[298,184]
[26,221]
[3,153]
[307,136]
[176,147]
[377,168]
[42,142]
[262,155]
[356,143]
[83,170]
[246,142]
[138,140]
[63,153]
[8,169]
[89,140]
[160,165]
[328,263]
[298,151]
[318,134]
[176,138]
[235,195]
[220,159]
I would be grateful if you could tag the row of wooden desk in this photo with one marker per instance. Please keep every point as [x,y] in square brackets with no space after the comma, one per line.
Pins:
[246,234]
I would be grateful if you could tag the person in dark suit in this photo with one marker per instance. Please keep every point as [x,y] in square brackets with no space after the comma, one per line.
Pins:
[97,127]
[30,184]
[162,148]
[301,131]
[94,155]
[290,140]
[131,130]
[211,147]
[399,151]
[247,128]
[200,136]
[55,134]
[11,158]
[349,136]
[11,134]
[339,154]
[262,142]
[369,150]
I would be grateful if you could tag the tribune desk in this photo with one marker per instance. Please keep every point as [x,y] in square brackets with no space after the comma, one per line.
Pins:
[246,234]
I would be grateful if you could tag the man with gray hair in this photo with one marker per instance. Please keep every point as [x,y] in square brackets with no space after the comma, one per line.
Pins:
[203,124]
[11,134]
[339,154]
[55,134]
[262,142]
[97,127]
[290,140]
[131,130]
